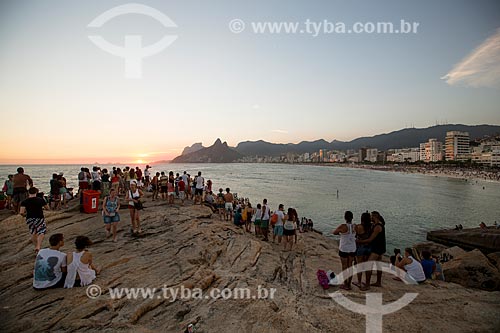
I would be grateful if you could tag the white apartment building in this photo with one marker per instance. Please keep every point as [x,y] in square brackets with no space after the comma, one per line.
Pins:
[457,146]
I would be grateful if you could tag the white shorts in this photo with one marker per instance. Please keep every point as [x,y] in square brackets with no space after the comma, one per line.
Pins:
[181,195]
[171,193]
[229,206]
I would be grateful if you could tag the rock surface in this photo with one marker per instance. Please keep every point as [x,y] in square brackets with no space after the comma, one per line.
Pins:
[182,247]
[495,259]
[472,269]
[455,251]
[487,240]
[435,248]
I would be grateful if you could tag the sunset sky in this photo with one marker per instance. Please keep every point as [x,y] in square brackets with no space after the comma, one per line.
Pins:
[65,100]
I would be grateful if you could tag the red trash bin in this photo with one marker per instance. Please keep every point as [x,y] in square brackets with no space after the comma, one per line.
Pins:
[91,201]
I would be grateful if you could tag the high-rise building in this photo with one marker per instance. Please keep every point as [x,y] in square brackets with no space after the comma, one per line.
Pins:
[457,146]
[431,151]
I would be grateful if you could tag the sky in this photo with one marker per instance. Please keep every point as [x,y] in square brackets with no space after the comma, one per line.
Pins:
[63,99]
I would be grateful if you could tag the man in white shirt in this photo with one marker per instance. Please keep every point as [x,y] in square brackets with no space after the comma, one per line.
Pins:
[200,185]
[264,220]
[50,265]
[278,227]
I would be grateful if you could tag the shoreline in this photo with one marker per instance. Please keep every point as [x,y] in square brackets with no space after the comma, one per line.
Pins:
[442,172]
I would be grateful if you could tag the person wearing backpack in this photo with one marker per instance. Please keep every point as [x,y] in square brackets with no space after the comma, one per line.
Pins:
[280,217]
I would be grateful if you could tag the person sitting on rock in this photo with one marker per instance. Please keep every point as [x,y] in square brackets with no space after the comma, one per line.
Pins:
[438,272]
[411,266]
[50,265]
[482,225]
[428,265]
[80,264]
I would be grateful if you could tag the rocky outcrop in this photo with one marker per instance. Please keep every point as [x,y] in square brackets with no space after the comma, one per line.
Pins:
[193,148]
[187,246]
[472,269]
[495,259]
[219,152]
[454,251]
[486,240]
[434,248]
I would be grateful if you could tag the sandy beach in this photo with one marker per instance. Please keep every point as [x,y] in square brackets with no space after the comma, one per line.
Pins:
[187,246]
[446,172]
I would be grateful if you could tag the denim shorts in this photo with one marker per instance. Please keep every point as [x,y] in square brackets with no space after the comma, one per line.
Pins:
[111,219]
[278,230]
[363,250]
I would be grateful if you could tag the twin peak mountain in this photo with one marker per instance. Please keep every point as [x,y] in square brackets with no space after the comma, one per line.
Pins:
[219,152]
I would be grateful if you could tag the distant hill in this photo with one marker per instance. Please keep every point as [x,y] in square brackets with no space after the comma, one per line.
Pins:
[217,153]
[195,147]
[408,137]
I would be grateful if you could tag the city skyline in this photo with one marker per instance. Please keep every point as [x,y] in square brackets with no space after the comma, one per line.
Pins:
[68,101]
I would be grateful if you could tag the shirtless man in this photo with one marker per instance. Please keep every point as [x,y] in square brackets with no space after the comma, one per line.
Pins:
[228,199]
[20,193]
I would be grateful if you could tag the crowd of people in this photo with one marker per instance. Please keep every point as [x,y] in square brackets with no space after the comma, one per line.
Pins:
[359,243]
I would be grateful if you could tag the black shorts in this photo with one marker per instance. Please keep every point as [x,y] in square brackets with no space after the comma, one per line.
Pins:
[163,189]
[346,254]
[287,232]
[19,194]
[198,191]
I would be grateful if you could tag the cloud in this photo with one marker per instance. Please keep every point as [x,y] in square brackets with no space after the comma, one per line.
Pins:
[481,68]
[279,131]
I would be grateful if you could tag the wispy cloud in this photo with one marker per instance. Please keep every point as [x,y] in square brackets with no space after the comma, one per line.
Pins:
[481,68]
[279,131]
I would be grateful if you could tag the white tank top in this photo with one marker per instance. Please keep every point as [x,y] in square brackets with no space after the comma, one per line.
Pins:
[415,270]
[348,240]
[86,274]
[134,195]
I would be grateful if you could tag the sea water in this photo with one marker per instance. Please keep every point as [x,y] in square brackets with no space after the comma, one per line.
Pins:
[411,204]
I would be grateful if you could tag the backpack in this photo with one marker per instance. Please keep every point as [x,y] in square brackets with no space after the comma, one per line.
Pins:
[323,279]
[274,219]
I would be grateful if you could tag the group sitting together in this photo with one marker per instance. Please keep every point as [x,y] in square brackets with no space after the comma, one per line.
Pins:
[55,269]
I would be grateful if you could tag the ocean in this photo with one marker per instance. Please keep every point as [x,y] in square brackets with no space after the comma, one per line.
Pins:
[411,204]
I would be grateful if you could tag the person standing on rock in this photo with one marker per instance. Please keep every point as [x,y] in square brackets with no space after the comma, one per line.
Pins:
[155,185]
[33,208]
[363,251]
[110,214]
[198,192]
[347,247]
[378,247]
[134,205]
[20,181]
[228,204]
[264,220]
[256,219]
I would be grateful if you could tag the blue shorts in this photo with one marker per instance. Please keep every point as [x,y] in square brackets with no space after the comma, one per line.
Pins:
[278,230]
[111,219]
[363,250]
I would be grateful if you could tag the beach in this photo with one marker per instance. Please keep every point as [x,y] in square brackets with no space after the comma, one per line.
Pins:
[466,174]
[189,247]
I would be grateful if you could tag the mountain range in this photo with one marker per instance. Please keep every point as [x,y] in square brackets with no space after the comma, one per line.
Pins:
[409,137]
